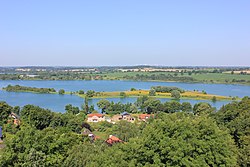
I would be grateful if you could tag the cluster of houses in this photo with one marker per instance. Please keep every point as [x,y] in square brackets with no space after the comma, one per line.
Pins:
[97,117]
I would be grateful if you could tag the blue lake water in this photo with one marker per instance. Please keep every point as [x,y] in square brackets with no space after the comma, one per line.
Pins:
[57,102]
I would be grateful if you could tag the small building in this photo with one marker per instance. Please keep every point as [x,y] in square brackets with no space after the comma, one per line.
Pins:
[112,140]
[15,118]
[116,118]
[144,117]
[93,137]
[127,117]
[123,116]
[95,117]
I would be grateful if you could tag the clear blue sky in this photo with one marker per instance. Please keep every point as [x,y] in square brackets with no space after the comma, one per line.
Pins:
[128,32]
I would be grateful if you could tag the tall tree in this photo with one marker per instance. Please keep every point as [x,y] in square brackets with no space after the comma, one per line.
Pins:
[103,104]
[5,111]
[186,107]
[35,116]
[202,108]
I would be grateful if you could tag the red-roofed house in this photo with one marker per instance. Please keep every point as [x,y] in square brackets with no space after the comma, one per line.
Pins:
[112,140]
[144,117]
[95,117]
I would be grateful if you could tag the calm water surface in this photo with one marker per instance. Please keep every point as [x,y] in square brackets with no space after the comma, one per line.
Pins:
[58,102]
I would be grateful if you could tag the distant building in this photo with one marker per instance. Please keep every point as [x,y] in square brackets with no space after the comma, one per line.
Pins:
[127,117]
[15,117]
[144,117]
[123,116]
[116,118]
[112,140]
[96,117]
[31,75]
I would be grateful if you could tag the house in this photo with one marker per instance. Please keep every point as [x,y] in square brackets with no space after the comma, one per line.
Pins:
[95,117]
[127,117]
[116,118]
[15,118]
[93,137]
[123,116]
[144,117]
[112,140]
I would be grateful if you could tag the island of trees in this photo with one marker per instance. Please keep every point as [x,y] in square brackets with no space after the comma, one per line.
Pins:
[198,136]
[18,88]
[155,91]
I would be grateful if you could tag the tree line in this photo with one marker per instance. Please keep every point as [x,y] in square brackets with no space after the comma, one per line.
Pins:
[162,77]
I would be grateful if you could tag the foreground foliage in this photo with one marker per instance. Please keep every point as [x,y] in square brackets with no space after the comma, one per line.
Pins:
[236,117]
[179,135]
[174,140]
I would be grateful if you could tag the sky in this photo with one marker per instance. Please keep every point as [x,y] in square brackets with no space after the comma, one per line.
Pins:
[128,32]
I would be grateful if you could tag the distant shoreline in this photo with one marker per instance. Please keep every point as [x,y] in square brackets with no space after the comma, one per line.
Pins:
[194,82]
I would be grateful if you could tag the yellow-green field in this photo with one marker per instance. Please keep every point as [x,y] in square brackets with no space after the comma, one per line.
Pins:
[137,93]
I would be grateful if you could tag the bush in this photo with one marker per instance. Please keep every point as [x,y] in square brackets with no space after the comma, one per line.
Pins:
[132,89]
[61,91]
[175,94]
[214,99]
[166,89]
[90,93]
[152,92]
[122,94]
[81,92]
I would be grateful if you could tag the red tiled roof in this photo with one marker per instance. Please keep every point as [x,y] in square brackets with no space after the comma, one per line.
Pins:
[95,114]
[112,139]
[143,116]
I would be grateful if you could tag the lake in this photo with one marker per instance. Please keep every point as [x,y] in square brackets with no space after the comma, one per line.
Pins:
[57,102]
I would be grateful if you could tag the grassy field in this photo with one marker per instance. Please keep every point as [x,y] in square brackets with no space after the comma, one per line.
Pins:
[220,77]
[120,75]
[204,77]
[101,135]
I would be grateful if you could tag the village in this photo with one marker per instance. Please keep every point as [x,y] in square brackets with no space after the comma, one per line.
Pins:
[95,118]
[125,116]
